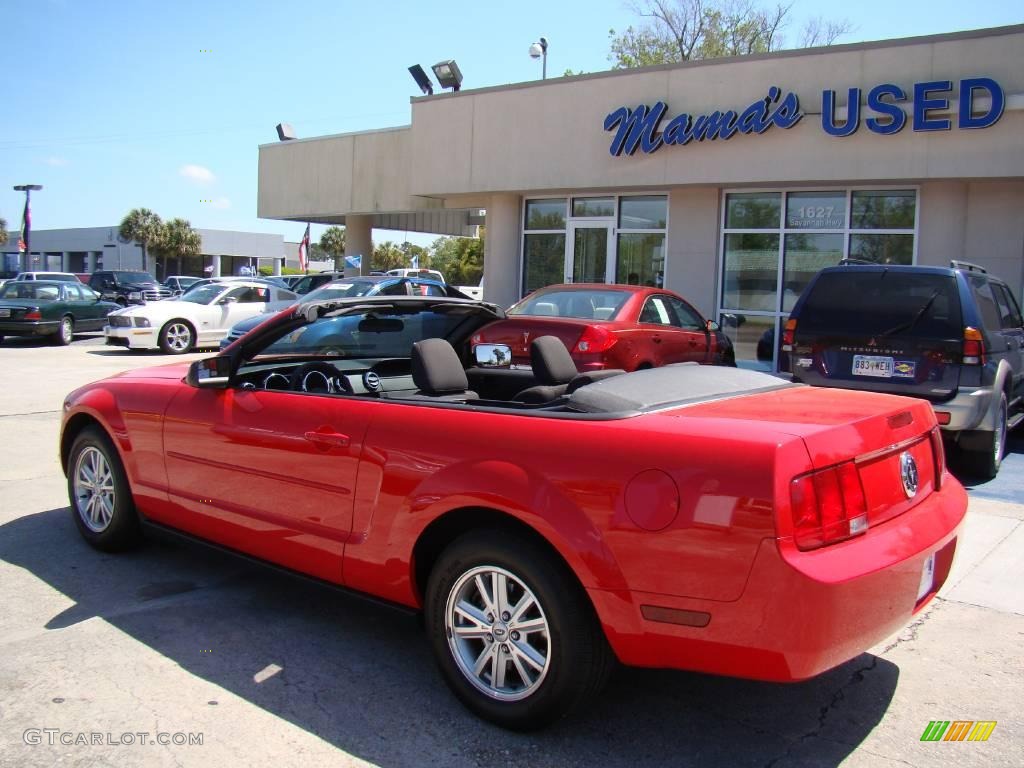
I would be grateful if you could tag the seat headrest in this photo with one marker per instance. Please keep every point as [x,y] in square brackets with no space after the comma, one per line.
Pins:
[436,368]
[551,361]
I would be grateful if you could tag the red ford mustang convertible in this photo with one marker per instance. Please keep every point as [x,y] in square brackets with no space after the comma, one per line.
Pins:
[687,517]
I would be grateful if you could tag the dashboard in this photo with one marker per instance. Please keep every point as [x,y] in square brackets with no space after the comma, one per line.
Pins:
[379,378]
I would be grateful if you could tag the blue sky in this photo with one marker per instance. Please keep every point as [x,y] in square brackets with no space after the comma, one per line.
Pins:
[113,105]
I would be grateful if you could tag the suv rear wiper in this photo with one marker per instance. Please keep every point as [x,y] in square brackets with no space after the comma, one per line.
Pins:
[906,326]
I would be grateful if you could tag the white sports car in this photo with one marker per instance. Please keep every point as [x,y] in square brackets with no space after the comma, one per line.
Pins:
[198,318]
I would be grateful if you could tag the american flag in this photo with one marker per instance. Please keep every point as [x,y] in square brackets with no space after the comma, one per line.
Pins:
[304,251]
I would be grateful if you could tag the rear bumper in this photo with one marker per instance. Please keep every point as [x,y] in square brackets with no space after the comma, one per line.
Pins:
[29,328]
[801,613]
[967,409]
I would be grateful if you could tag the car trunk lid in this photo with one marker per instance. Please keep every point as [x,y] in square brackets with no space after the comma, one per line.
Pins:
[520,331]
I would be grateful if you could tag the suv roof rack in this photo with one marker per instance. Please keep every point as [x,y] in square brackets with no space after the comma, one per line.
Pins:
[969,266]
[848,261]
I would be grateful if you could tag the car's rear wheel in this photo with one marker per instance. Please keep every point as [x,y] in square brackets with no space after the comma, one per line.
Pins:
[986,453]
[101,500]
[514,635]
[177,337]
[65,332]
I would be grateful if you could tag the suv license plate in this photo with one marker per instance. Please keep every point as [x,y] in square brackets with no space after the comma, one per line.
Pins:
[927,577]
[870,365]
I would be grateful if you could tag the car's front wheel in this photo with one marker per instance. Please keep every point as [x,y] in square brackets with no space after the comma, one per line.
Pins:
[513,634]
[177,337]
[101,500]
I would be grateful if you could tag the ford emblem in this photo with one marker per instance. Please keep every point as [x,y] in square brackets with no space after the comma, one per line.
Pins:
[908,474]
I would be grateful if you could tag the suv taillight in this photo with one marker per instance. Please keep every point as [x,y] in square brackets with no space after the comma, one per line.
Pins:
[828,506]
[788,334]
[595,339]
[974,347]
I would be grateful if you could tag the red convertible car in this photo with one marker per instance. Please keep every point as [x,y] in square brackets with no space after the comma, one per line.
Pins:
[688,517]
[625,327]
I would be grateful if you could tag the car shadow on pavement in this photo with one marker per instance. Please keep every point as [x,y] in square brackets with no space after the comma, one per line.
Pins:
[1008,484]
[361,676]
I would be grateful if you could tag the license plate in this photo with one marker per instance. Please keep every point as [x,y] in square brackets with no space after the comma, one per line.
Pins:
[5,313]
[927,577]
[871,365]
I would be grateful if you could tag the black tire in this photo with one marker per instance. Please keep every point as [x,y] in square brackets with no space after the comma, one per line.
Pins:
[177,337]
[102,506]
[575,656]
[65,333]
[985,455]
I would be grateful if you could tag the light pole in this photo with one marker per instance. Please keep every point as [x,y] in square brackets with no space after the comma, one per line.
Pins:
[539,50]
[26,220]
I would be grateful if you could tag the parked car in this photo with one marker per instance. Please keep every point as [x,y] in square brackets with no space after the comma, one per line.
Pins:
[199,317]
[178,284]
[53,308]
[426,274]
[312,282]
[952,336]
[126,287]
[356,286]
[611,326]
[687,517]
[63,277]
[291,280]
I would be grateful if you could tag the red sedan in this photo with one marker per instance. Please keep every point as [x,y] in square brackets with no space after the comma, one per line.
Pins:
[611,326]
[688,517]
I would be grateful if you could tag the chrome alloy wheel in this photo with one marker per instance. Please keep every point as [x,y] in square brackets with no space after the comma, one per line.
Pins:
[498,633]
[67,331]
[94,490]
[179,337]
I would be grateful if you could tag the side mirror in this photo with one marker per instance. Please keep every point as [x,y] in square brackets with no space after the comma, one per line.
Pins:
[211,373]
[713,326]
[493,355]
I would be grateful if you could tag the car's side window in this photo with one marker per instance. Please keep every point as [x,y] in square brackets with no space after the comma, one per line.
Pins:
[1008,313]
[982,290]
[688,317]
[74,292]
[656,312]
[249,295]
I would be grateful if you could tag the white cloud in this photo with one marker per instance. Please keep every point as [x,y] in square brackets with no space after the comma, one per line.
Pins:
[56,162]
[197,174]
[221,203]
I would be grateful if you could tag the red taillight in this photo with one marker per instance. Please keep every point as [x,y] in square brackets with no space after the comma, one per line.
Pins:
[595,339]
[939,455]
[828,506]
[33,314]
[788,334]
[974,347]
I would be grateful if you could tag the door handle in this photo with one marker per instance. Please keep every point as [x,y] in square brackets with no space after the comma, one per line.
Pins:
[325,439]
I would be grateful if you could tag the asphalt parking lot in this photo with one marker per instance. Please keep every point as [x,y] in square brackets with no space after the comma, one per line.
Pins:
[270,670]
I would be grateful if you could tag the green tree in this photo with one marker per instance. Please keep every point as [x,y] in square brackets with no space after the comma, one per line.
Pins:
[687,30]
[3,231]
[332,242]
[387,256]
[417,252]
[144,227]
[459,259]
[178,240]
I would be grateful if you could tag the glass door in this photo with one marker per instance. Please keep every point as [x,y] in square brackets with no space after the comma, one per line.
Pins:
[590,252]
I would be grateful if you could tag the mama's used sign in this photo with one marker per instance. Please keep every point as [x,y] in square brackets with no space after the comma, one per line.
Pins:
[644,127]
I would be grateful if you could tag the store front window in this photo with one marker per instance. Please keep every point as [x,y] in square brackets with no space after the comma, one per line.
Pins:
[594,239]
[774,242]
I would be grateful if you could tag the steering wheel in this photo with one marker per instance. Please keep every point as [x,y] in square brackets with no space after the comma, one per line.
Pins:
[320,378]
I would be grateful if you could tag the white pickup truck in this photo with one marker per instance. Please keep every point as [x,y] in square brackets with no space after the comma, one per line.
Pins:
[473,291]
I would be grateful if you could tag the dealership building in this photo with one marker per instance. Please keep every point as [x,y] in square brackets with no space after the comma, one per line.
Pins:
[729,181]
[86,249]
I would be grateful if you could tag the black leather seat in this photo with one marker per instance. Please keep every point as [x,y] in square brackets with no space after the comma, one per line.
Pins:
[437,372]
[554,368]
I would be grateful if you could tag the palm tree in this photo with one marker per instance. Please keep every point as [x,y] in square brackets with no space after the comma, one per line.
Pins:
[389,256]
[179,241]
[3,231]
[144,227]
[332,242]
